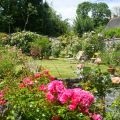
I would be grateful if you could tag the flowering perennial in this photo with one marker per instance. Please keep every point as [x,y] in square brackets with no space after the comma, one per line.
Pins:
[56,92]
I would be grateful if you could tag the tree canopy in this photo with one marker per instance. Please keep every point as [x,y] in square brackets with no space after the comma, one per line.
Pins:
[33,15]
[91,15]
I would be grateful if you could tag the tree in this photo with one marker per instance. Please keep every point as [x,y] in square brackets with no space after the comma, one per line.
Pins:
[83,9]
[91,15]
[100,14]
[83,25]
[33,15]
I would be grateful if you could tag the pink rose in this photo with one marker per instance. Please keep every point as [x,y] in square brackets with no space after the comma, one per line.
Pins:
[37,75]
[42,88]
[72,107]
[27,81]
[50,97]
[96,117]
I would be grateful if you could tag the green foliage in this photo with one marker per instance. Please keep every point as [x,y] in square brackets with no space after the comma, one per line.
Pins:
[83,9]
[93,43]
[36,16]
[41,48]
[100,14]
[70,45]
[10,58]
[31,43]
[113,32]
[22,40]
[83,25]
[3,38]
[90,16]
[56,47]
[111,57]
[114,113]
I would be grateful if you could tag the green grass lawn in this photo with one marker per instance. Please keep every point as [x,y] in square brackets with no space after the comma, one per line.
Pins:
[63,67]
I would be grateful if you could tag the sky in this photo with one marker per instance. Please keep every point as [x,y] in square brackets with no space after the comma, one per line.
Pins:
[67,8]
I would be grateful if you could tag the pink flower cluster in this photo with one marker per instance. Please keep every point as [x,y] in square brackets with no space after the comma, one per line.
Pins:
[75,98]
[26,82]
[56,92]
[2,100]
[30,81]
[96,117]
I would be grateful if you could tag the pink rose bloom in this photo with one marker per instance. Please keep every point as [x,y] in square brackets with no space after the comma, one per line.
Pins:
[50,97]
[2,102]
[81,97]
[37,75]
[65,96]
[27,81]
[42,88]
[51,78]
[56,86]
[80,66]
[1,94]
[97,117]
[46,72]
[72,107]
[22,85]
[98,60]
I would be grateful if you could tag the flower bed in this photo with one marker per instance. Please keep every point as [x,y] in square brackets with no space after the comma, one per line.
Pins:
[40,96]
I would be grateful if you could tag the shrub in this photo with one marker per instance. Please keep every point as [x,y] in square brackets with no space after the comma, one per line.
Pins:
[22,40]
[4,38]
[41,48]
[40,96]
[10,59]
[31,43]
[56,47]
[113,32]
[92,44]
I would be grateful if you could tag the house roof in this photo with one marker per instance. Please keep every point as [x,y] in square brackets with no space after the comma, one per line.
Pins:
[113,23]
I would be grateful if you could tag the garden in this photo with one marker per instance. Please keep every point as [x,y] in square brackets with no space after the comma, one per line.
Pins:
[55,71]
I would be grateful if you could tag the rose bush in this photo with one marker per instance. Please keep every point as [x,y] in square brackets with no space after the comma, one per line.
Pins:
[40,96]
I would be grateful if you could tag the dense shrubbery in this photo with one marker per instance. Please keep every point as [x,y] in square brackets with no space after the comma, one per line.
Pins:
[40,96]
[11,62]
[31,43]
[4,38]
[92,43]
[69,45]
[114,32]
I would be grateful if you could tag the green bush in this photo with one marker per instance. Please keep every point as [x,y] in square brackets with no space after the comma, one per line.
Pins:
[41,48]
[56,47]
[31,43]
[67,45]
[10,59]
[22,40]
[114,32]
[4,38]
[92,44]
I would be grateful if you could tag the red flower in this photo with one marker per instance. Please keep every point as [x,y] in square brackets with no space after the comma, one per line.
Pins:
[46,72]
[96,117]
[50,97]
[1,94]
[21,85]
[37,75]
[2,102]
[51,78]
[42,88]
[28,82]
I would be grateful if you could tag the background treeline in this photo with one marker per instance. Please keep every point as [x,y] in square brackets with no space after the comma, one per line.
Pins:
[33,15]
[38,16]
